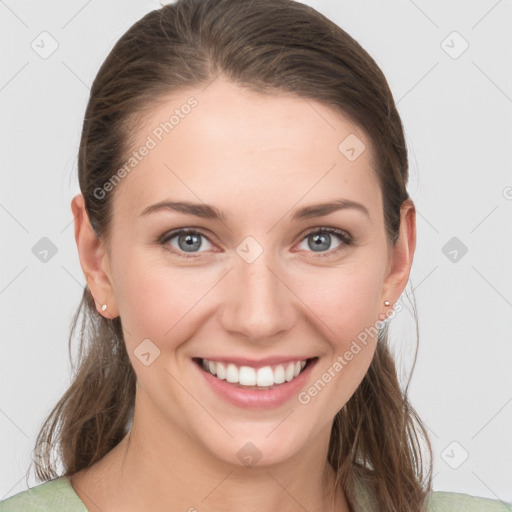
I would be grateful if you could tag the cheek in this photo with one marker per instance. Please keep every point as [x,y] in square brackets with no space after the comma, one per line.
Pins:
[170,305]
[345,299]
[345,305]
[167,304]
[157,301]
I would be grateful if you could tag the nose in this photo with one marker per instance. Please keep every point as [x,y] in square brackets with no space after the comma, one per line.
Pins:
[258,303]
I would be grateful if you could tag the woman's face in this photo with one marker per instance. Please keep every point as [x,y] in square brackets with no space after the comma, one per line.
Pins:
[266,280]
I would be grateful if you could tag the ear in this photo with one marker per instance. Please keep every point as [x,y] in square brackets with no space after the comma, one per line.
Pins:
[93,260]
[400,258]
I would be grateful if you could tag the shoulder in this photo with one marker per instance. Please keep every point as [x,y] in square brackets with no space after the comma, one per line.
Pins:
[56,495]
[437,501]
[442,501]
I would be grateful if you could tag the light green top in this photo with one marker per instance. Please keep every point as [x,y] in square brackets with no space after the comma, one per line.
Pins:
[58,495]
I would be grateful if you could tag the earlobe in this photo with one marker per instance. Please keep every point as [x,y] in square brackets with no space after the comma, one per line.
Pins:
[93,260]
[401,255]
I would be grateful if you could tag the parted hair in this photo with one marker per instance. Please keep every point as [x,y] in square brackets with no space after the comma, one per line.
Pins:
[269,46]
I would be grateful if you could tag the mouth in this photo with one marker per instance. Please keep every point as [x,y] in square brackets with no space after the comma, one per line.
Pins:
[250,378]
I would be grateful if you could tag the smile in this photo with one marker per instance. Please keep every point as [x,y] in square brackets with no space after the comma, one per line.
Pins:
[247,376]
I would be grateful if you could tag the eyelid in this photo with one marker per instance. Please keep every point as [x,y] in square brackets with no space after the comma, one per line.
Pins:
[328,229]
[169,235]
[346,239]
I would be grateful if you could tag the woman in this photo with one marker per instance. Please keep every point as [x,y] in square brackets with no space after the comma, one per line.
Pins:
[245,232]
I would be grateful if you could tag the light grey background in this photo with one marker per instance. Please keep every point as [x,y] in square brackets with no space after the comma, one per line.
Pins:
[457,112]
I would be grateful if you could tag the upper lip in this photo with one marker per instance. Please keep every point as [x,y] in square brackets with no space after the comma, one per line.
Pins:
[259,363]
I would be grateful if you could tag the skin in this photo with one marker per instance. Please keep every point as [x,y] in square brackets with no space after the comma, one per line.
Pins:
[257,158]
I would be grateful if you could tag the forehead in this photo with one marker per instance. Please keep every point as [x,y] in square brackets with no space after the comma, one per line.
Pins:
[228,144]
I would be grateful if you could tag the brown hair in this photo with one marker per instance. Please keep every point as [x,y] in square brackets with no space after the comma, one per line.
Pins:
[268,46]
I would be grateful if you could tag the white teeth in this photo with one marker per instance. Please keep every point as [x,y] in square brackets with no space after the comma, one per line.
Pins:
[279,376]
[248,376]
[290,371]
[232,373]
[265,377]
[221,371]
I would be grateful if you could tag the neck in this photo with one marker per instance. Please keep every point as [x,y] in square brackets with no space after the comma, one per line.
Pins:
[159,467]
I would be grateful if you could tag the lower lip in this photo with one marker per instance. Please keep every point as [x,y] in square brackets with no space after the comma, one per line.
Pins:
[253,398]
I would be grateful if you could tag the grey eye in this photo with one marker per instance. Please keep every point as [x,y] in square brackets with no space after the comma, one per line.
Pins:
[321,241]
[190,241]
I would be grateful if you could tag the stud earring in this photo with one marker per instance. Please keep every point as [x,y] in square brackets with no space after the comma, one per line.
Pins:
[387,303]
[104,307]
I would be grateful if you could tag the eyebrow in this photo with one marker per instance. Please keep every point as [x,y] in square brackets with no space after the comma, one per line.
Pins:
[206,211]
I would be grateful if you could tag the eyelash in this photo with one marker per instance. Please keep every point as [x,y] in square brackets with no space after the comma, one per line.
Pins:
[347,240]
